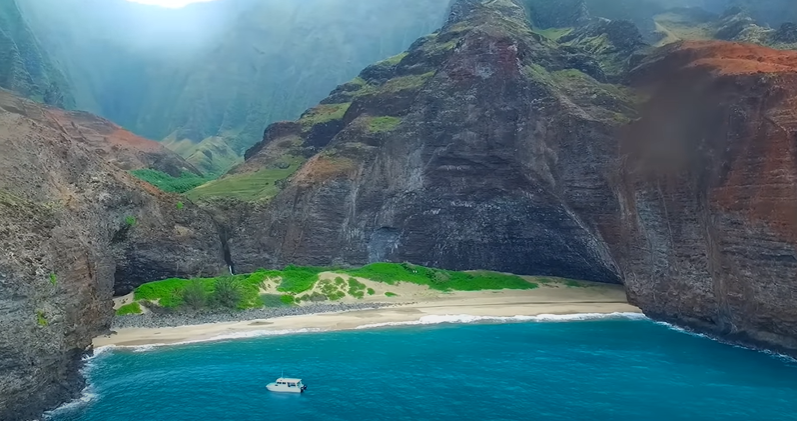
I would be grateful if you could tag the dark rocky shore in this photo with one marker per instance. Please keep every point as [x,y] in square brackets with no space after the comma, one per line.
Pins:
[157,320]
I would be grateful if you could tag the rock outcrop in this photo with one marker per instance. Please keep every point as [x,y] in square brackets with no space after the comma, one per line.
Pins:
[481,147]
[72,228]
[708,196]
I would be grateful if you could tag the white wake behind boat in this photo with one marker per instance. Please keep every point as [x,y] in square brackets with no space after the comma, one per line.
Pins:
[287,385]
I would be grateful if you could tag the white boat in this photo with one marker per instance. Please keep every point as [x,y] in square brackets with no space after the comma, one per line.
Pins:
[287,385]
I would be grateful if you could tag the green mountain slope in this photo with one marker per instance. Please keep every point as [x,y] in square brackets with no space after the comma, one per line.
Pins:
[24,67]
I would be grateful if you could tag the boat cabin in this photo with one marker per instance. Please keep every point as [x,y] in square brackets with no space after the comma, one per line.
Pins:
[287,385]
[289,382]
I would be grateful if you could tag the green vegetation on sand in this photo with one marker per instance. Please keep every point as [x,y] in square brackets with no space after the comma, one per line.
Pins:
[442,280]
[132,308]
[297,284]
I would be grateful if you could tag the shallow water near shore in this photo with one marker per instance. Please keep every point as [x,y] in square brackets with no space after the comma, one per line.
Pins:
[557,371]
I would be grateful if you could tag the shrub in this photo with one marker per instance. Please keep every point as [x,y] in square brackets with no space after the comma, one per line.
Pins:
[391,294]
[180,205]
[356,288]
[227,292]
[130,221]
[53,279]
[194,295]
[287,299]
[371,291]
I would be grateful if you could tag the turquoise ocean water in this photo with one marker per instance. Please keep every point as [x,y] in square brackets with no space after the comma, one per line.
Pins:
[618,370]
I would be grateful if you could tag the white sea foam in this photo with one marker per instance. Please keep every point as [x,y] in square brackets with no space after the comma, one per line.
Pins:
[467,318]
[260,333]
[227,336]
[87,394]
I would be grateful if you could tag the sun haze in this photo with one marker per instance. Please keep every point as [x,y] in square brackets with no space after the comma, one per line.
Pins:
[170,3]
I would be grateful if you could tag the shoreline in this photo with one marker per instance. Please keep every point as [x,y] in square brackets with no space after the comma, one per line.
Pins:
[545,304]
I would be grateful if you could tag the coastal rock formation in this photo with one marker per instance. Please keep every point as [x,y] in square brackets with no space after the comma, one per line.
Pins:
[72,228]
[480,147]
[708,196]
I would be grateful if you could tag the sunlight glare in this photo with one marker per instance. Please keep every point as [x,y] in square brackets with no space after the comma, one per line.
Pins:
[173,4]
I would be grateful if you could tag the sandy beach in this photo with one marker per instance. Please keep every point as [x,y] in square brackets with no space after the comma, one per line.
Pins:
[548,299]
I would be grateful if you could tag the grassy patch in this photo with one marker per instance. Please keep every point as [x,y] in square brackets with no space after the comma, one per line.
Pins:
[167,183]
[298,279]
[553,33]
[132,308]
[41,319]
[356,288]
[253,186]
[392,61]
[442,280]
[402,83]
[275,300]
[371,291]
[391,294]
[323,113]
[395,85]
[382,124]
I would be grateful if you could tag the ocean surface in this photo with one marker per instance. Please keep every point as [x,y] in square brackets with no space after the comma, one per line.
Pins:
[612,369]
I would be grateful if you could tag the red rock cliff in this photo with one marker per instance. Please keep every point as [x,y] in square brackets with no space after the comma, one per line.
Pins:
[709,192]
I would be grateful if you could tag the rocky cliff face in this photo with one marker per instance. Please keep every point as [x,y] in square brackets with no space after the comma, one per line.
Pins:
[73,228]
[488,145]
[708,197]
[478,148]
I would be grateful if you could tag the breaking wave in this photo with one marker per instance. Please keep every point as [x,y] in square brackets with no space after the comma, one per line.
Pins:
[467,318]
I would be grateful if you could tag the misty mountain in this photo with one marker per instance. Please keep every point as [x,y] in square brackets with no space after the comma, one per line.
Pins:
[24,67]
[208,78]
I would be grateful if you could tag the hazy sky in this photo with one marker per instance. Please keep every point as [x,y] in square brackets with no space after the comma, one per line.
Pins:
[169,3]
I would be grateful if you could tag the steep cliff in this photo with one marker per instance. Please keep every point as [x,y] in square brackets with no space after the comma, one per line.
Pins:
[709,204]
[72,228]
[480,147]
